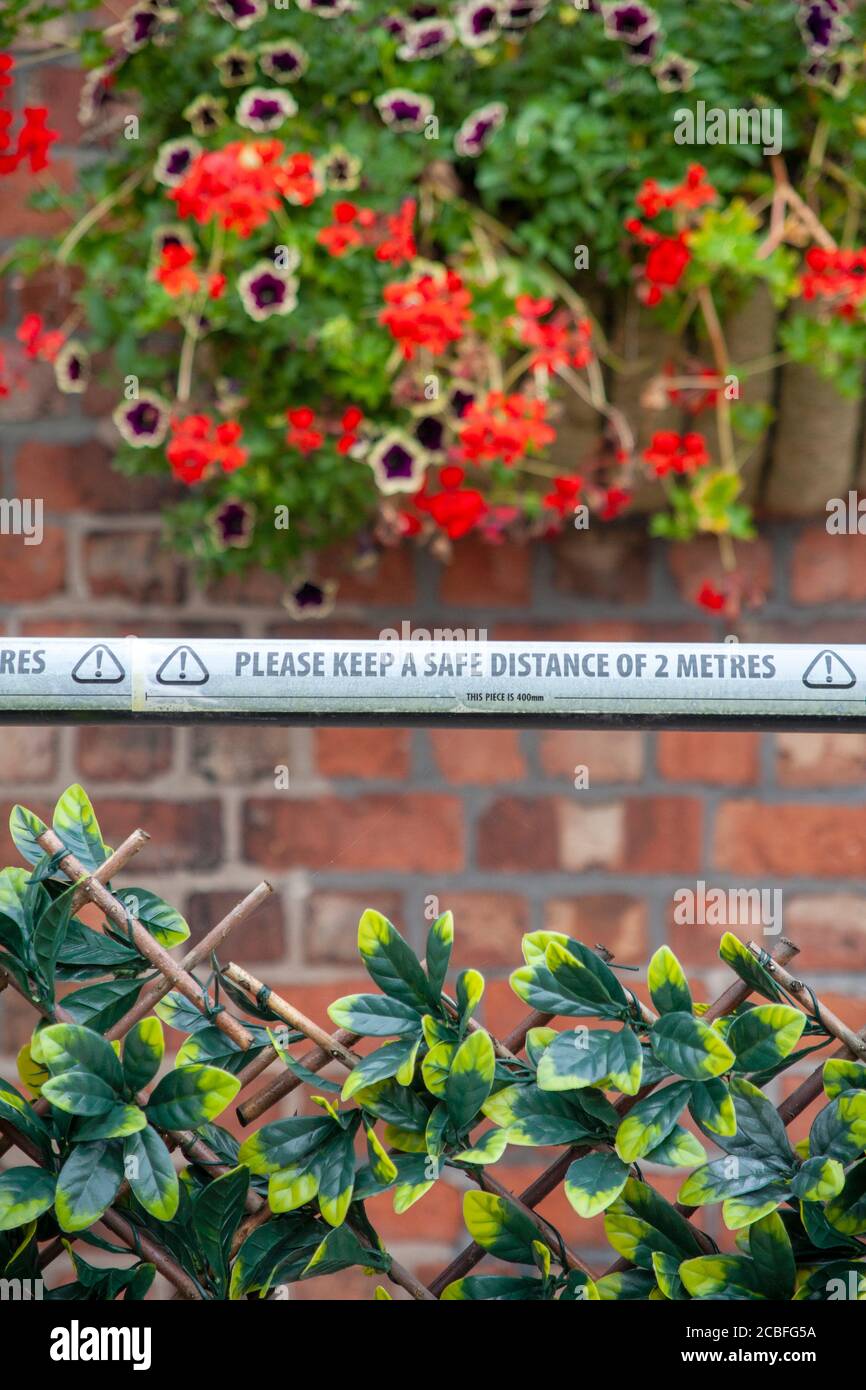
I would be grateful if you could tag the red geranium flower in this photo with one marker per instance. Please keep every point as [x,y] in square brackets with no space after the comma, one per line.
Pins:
[175,272]
[196,446]
[504,427]
[456,510]
[427,312]
[242,184]
[711,599]
[670,452]
[302,436]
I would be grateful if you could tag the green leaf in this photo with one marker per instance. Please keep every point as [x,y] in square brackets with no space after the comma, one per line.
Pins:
[493,1288]
[49,934]
[436,1066]
[76,825]
[726,1277]
[690,1048]
[666,1269]
[668,986]
[65,1046]
[533,1117]
[216,1214]
[341,1249]
[679,1149]
[641,1222]
[488,1148]
[743,1210]
[190,1096]
[651,1121]
[392,964]
[334,1165]
[593,1182]
[143,1049]
[119,1121]
[470,1078]
[25,1193]
[284,1143]
[727,1177]
[101,1006]
[841,1075]
[470,989]
[712,1107]
[770,1249]
[589,1057]
[440,940]
[25,827]
[79,1092]
[839,1130]
[499,1227]
[818,1180]
[163,921]
[375,1016]
[20,1113]
[759,1128]
[847,1210]
[385,1062]
[765,1035]
[150,1171]
[88,1183]
[746,965]
[275,1252]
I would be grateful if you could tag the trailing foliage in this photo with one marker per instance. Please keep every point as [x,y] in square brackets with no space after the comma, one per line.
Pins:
[336,259]
[621,1086]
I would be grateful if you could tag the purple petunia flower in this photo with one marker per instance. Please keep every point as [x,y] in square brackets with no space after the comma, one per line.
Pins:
[645,51]
[628,20]
[283,62]
[240,13]
[339,170]
[821,26]
[460,397]
[430,433]
[326,9]
[139,28]
[395,25]
[404,110]
[520,14]
[235,66]
[262,109]
[267,290]
[143,423]
[72,368]
[478,23]
[674,73]
[311,600]
[427,39]
[478,129]
[205,113]
[398,463]
[173,160]
[233,524]
[96,93]
[169,234]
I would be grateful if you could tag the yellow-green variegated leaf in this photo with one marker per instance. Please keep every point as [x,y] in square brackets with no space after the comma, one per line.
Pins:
[65,1047]
[847,1210]
[668,986]
[641,1222]
[489,1148]
[435,1031]
[535,943]
[284,1143]
[143,1049]
[76,824]
[436,1066]
[689,1047]
[120,1121]
[720,1276]
[651,1121]
[88,1183]
[392,1059]
[748,967]
[726,1177]
[375,1016]
[33,1075]
[334,1164]
[470,1078]
[712,1105]
[493,1288]
[537,1040]
[765,1035]
[25,1193]
[383,1166]
[773,1257]
[679,1149]
[381,1295]
[533,1117]
[738,1212]
[587,1057]
[628,1285]
[593,1182]
[406,1141]
[191,1096]
[151,1173]
[666,1269]
[436,1130]
[839,1130]
[406,1194]
[79,1093]
[843,1075]
[391,962]
[818,1180]
[470,991]
[291,1188]
[25,828]
[159,918]
[541,1256]
[499,1226]
[440,940]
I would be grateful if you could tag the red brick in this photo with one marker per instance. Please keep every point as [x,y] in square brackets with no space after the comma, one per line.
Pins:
[256,586]
[608,756]
[184,834]
[59,88]
[330,923]
[830,931]
[78,477]
[390,578]
[612,920]
[488,928]
[260,937]
[591,834]
[438,1215]
[132,565]
[372,753]
[820,760]
[234,756]
[816,840]
[699,561]
[29,755]
[718,759]
[663,835]
[519,834]
[133,754]
[415,833]
[827,568]
[466,758]
[30,572]
[489,576]
[606,563]
[8,853]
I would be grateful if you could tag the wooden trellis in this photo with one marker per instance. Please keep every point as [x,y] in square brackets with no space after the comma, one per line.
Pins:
[336,1047]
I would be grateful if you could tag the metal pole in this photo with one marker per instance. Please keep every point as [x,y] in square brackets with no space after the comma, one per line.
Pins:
[447,682]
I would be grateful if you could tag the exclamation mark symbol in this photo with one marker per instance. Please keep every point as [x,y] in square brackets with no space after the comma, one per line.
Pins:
[828,662]
[183,664]
[99,663]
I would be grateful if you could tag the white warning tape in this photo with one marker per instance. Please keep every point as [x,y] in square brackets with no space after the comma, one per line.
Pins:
[460,682]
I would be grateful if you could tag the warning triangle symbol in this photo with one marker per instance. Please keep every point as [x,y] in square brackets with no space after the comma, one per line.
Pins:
[829,672]
[182,667]
[98,666]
